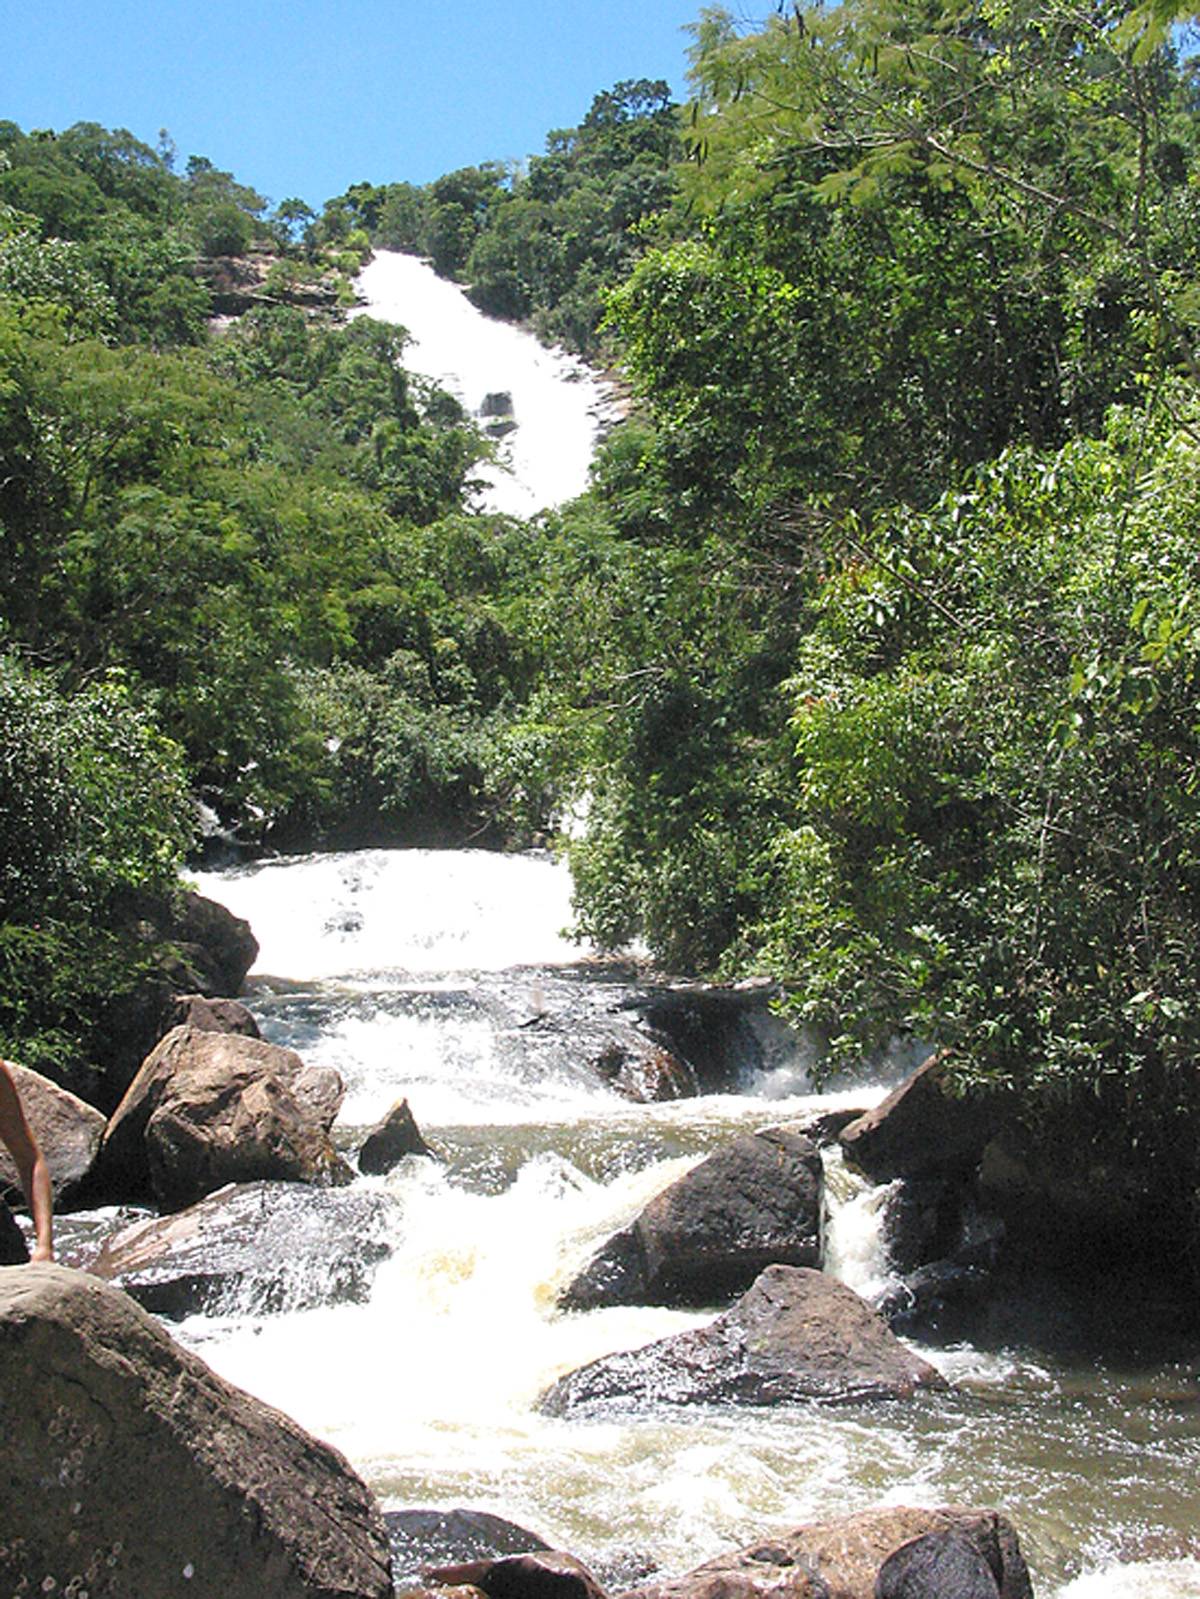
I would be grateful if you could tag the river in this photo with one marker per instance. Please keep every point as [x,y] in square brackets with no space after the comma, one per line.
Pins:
[439,976]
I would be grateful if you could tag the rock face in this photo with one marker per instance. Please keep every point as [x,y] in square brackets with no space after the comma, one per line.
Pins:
[841,1559]
[753,1204]
[920,1130]
[130,1468]
[796,1335]
[208,1109]
[259,1247]
[67,1129]
[396,1136]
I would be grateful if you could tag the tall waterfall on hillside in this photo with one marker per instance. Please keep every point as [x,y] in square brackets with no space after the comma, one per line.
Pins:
[553,404]
[445,977]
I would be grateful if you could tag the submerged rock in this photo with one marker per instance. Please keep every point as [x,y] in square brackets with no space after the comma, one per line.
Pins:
[841,1559]
[753,1204]
[208,1109]
[257,1248]
[541,1575]
[797,1334]
[131,1468]
[421,1539]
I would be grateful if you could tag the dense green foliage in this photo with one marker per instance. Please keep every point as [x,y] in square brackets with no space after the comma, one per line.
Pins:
[543,242]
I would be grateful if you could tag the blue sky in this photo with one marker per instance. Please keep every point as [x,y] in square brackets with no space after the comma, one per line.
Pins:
[304,98]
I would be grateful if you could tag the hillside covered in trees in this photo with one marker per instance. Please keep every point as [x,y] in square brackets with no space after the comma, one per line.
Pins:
[873,645]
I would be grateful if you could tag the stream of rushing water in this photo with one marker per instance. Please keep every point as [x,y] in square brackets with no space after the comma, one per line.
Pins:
[439,976]
[418,973]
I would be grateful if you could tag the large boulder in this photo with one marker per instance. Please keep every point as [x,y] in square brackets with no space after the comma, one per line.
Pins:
[68,1131]
[841,1559]
[797,1334]
[217,945]
[131,1468]
[208,1109]
[922,1129]
[258,1248]
[755,1203]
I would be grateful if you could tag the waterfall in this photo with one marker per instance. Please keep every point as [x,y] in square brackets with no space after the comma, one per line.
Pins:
[557,404]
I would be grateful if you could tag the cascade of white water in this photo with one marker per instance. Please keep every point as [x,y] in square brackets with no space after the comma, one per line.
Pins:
[558,405]
[430,1386]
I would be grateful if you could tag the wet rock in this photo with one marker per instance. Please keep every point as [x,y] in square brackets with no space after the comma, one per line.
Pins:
[965,1272]
[421,1539]
[14,1249]
[921,1129]
[540,1575]
[68,1130]
[753,1204]
[939,1565]
[643,1071]
[132,1468]
[717,1030]
[390,1140]
[209,1108]
[213,1015]
[827,1129]
[255,1248]
[921,1217]
[796,1335]
[841,1559]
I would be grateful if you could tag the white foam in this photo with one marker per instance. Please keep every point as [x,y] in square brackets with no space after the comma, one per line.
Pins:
[558,403]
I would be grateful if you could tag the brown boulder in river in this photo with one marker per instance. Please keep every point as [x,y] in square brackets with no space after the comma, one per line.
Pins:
[841,1559]
[755,1203]
[208,1109]
[797,1334]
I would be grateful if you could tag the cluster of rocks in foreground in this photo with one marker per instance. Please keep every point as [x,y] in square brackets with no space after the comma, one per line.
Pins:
[131,1469]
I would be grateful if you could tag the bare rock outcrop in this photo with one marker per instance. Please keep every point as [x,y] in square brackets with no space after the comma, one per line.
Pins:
[131,1468]
[797,1334]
